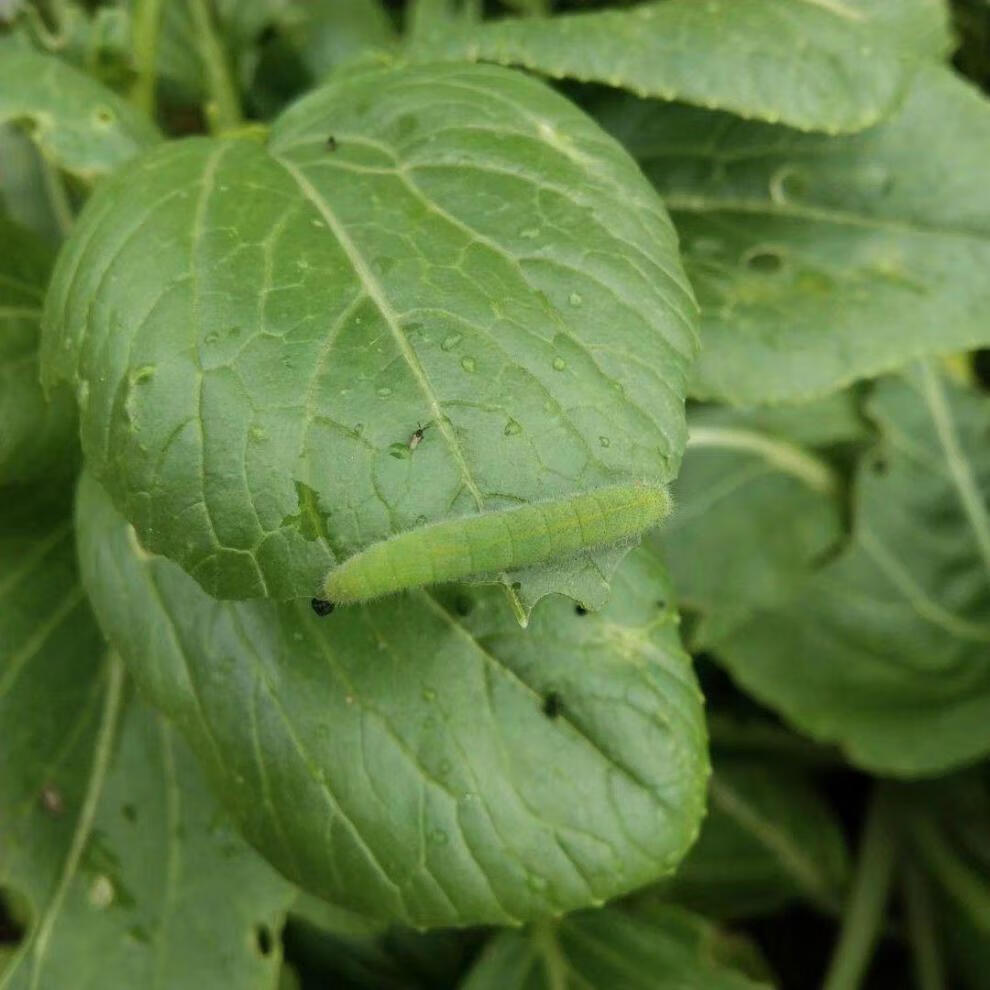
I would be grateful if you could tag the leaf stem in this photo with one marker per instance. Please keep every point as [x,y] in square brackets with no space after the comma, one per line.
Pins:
[921,926]
[781,454]
[144,47]
[223,108]
[554,964]
[868,898]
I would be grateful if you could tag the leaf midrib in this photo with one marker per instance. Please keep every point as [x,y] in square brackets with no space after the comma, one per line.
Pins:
[377,295]
[699,203]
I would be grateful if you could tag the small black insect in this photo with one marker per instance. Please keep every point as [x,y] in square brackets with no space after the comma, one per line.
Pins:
[580,610]
[552,705]
[331,143]
[321,606]
[417,436]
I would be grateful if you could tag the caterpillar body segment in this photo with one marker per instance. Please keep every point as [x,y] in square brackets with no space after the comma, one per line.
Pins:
[455,549]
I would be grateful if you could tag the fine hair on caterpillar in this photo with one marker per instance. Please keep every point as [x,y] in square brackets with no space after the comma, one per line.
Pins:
[501,540]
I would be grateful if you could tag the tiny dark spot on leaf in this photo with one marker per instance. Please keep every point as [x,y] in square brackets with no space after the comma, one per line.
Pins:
[321,606]
[580,609]
[879,464]
[463,605]
[331,143]
[552,704]
[129,812]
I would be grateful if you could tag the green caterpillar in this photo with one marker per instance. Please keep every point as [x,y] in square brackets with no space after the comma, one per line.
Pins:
[495,541]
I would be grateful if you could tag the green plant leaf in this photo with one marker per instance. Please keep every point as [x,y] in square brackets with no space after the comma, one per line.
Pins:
[820,261]
[37,436]
[470,255]
[821,67]
[338,948]
[947,824]
[753,511]
[769,837]
[94,40]
[884,650]
[328,35]
[425,18]
[122,868]
[916,27]
[31,192]
[657,948]
[78,123]
[423,759]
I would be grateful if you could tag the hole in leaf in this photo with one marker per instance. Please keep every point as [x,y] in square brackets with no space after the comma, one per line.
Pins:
[264,939]
[763,260]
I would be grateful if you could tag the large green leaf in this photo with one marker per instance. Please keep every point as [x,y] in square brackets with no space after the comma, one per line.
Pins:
[255,332]
[37,436]
[76,121]
[817,66]
[123,869]
[885,649]
[656,948]
[768,838]
[754,511]
[821,261]
[424,759]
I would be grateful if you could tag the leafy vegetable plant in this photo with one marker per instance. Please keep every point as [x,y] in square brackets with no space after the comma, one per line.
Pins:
[495,495]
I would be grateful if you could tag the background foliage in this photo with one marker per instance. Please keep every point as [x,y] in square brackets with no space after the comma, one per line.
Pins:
[281,279]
